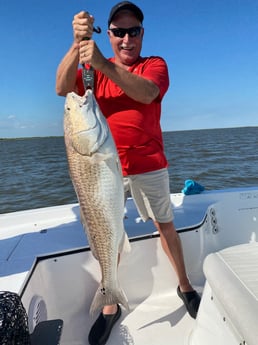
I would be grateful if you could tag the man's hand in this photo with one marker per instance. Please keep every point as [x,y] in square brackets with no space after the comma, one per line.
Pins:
[89,53]
[82,26]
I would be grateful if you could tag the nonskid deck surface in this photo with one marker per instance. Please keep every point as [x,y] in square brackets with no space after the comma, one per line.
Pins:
[158,320]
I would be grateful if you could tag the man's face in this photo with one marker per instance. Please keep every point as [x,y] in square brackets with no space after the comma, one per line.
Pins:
[126,49]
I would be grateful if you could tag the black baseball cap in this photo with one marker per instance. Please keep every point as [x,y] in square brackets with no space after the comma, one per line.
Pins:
[125,5]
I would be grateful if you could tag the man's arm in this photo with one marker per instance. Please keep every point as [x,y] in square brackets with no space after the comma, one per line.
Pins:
[136,87]
[67,70]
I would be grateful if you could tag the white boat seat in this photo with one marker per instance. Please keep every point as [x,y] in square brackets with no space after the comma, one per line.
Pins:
[231,296]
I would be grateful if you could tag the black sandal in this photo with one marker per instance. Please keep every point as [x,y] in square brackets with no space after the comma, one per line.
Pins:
[102,327]
[191,301]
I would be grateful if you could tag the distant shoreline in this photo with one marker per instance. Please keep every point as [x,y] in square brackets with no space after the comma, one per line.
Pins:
[25,138]
[180,130]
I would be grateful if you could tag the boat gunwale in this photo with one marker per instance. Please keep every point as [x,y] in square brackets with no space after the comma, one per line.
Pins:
[40,258]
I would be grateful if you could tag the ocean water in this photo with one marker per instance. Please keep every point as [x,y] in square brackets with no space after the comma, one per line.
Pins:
[34,171]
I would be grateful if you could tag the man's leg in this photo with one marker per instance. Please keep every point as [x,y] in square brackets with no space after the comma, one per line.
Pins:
[171,244]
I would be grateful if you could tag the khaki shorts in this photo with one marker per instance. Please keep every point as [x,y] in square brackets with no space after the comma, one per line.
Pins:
[151,195]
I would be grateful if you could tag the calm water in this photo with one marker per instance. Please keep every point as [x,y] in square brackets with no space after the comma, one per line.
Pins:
[34,171]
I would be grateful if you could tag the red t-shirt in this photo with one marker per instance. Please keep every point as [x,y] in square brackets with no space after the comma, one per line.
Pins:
[135,126]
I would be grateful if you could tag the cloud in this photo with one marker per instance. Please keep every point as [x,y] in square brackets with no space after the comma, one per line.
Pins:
[12,126]
[11,122]
[7,122]
[10,117]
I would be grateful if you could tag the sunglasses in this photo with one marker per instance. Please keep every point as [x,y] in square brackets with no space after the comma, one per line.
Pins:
[132,32]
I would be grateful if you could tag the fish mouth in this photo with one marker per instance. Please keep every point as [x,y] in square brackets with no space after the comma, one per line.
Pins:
[72,98]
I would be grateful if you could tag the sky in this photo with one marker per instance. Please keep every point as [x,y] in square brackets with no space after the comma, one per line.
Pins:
[210,46]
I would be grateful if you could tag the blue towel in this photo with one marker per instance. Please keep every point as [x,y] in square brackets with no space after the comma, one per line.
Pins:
[192,187]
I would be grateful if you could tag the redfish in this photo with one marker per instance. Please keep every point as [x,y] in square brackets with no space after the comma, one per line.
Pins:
[96,174]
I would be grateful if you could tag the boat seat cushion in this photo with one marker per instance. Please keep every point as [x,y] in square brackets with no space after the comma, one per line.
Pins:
[232,274]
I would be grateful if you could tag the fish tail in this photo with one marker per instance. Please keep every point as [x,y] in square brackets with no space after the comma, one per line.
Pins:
[104,297]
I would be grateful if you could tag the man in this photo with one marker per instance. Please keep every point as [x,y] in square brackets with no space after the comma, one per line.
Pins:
[129,90]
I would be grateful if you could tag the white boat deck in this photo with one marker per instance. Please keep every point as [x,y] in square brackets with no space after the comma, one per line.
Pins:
[156,317]
[156,321]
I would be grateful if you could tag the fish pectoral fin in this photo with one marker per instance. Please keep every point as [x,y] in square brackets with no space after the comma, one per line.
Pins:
[84,144]
[81,145]
[100,157]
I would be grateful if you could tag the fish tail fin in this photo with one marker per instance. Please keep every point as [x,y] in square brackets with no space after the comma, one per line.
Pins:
[103,297]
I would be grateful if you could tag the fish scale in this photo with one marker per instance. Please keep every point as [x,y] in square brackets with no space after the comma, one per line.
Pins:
[95,171]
